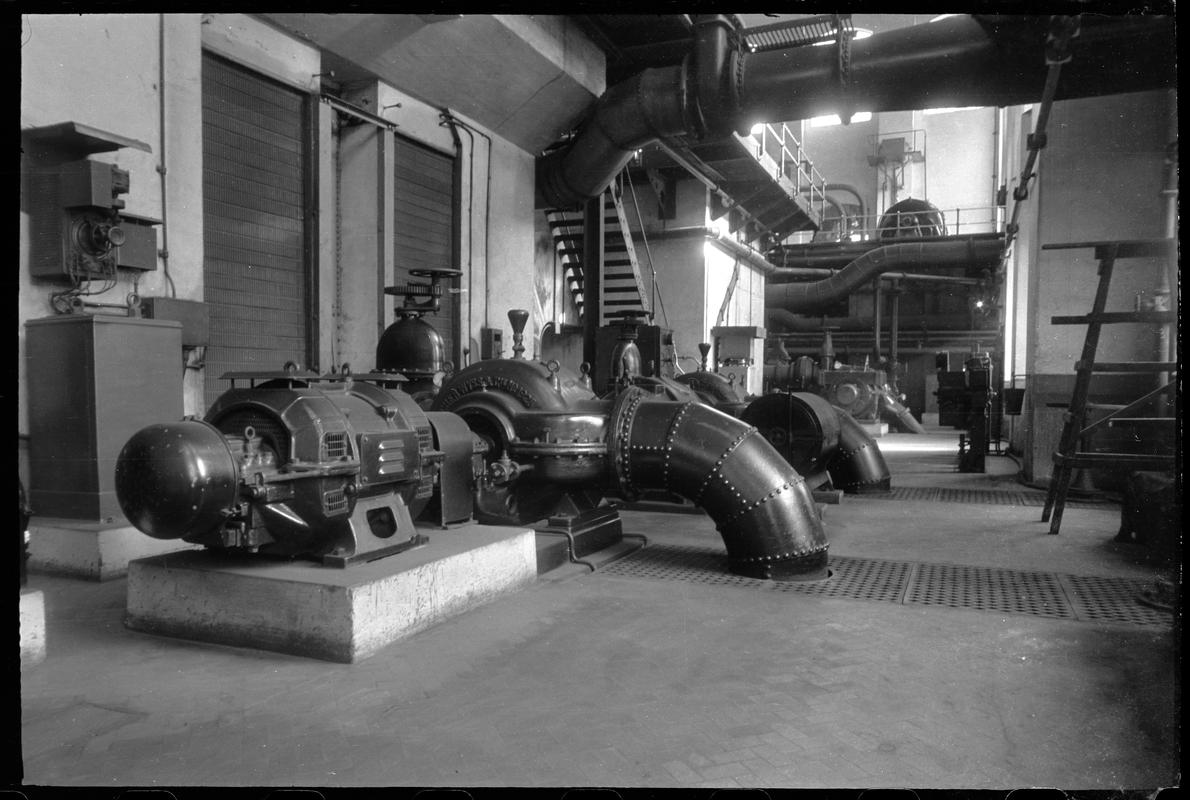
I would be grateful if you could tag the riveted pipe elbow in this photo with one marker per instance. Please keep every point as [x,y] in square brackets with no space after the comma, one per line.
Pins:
[858,466]
[761,506]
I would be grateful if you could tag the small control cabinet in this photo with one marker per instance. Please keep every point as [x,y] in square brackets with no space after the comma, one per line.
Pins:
[94,380]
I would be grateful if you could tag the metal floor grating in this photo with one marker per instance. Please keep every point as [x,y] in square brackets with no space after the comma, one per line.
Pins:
[984,496]
[1043,594]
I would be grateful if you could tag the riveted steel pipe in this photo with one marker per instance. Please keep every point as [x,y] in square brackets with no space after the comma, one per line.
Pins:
[858,466]
[761,506]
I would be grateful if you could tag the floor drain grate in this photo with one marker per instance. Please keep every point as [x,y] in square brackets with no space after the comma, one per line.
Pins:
[1042,594]
[857,578]
[983,496]
[1036,593]
[1111,600]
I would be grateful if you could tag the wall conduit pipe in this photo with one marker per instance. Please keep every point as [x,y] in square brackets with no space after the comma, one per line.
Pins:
[761,506]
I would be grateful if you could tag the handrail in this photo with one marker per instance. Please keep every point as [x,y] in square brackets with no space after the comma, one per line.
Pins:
[961,221]
[790,161]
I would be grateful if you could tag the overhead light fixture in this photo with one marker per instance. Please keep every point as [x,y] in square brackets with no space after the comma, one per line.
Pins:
[856,33]
[932,111]
[942,17]
[833,119]
[757,129]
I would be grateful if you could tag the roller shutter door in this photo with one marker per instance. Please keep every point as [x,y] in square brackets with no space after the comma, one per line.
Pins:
[424,228]
[256,266]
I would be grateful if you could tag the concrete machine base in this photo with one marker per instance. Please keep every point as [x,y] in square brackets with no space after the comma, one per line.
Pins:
[94,550]
[330,613]
[32,627]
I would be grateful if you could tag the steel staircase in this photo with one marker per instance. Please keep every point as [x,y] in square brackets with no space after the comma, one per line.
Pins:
[621,288]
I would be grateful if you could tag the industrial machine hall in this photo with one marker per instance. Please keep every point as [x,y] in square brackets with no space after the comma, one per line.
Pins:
[597,405]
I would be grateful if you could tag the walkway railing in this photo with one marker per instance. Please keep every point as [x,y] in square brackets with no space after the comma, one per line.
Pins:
[780,151]
[839,227]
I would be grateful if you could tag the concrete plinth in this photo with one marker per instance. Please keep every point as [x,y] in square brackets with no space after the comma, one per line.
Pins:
[32,628]
[875,429]
[335,614]
[95,550]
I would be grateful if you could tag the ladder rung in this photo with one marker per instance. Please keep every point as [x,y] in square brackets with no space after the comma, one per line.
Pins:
[1114,421]
[1127,248]
[1129,461]
[1108,317]
[1104,406]
[1127,366]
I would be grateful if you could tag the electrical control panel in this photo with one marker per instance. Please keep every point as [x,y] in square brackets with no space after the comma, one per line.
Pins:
[491,343]
[75,223]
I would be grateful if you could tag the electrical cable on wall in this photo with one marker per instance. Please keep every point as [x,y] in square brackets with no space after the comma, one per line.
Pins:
[452,120]
[454,125]
[1057,53]
[658,302]
[161,169]
[337,145]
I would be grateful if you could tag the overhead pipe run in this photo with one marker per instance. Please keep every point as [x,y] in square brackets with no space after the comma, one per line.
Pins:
[836,255]
[779,320]
[812,297]
[959,61]
[774,273]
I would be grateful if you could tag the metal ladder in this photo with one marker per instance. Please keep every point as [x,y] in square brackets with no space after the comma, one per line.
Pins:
[1075,431]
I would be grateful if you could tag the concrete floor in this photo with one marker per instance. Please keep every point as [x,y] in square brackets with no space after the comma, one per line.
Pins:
[600,679]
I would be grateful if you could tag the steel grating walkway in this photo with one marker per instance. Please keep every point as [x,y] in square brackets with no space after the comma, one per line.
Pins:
[1044,594]
[985,496]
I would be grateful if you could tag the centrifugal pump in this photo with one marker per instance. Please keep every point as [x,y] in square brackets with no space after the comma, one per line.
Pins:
[338,467]
[550,441]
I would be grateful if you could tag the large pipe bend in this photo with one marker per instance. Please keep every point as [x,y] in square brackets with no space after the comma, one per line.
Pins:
[858,466]
[761,506]
[648,106]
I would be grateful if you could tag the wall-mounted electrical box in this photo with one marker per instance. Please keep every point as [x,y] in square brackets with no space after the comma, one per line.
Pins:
[194,316]
[139,250]
[77,228]
[491,343]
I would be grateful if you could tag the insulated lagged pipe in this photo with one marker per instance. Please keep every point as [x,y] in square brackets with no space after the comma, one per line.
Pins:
[761,506]
[961,61]
[650,105]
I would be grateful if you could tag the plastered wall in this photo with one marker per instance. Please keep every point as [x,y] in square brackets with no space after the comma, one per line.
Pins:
[1099,179]
[103,71]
